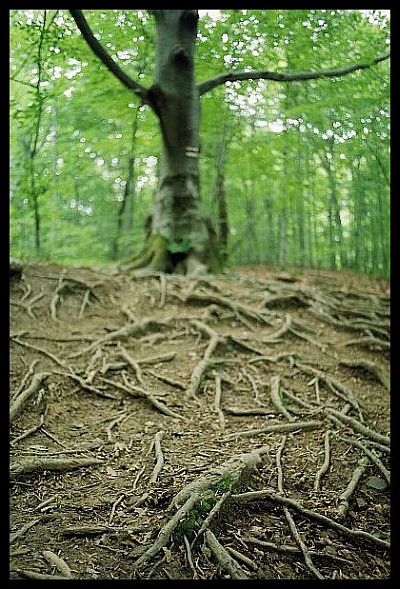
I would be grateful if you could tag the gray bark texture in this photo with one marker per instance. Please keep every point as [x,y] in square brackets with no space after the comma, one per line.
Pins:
[176,213]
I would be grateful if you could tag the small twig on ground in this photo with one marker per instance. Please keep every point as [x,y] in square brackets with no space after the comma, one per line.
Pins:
[325,465]
[159,457]
[351,487]
[270,429]
[225,560]
[19,401]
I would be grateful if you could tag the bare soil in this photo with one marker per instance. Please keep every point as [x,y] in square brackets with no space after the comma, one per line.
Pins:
[125,390]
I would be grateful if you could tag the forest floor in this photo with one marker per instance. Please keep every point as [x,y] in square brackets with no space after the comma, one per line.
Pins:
[233,426]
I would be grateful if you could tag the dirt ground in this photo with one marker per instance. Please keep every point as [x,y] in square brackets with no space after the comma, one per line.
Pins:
[167,427]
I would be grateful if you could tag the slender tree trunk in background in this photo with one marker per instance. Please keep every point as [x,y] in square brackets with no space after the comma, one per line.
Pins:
[270,250]
[125,210]
[282,238]
[220,195]
[253,246]
[126,204]
[300,202]
[359,218]
[382,233]
[35,138]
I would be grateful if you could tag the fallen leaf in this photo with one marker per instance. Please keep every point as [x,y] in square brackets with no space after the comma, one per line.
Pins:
[376,483]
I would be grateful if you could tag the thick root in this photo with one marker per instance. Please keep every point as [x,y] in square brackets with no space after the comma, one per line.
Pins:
[153,257]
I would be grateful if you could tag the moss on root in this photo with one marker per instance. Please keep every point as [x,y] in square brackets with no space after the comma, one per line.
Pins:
[156,256]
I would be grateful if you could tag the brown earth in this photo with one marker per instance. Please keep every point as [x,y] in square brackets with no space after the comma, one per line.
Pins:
[158,404]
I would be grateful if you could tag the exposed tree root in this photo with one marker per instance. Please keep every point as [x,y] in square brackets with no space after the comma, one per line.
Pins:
[217,402]
[153,257]
[371,455]
[41,350]
[313,515]
[40,576]
[276,398]
[335,386]
[371,368]
[29,305]
[159,457]
[325,465]
[166,531]
[204,364]
[271,429]
[159,405]
[222,556]
[236,307]
[58,562]
[293,528]
[24,465]
[122,334]
[351,487]
[87,387]
[373,342]
[19,401]
[358,426]
[234,469]
[285,549]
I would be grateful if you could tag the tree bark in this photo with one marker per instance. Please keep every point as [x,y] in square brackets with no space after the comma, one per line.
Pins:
[176,213]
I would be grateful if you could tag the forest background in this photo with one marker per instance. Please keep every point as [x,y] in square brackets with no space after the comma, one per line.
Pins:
[292,174]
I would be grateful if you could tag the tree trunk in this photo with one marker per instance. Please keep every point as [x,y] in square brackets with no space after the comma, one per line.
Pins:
[179,235]
[282,238]
[220,196]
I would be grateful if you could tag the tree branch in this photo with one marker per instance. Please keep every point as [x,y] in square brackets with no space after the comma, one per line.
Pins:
[287,77]
[141,92]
